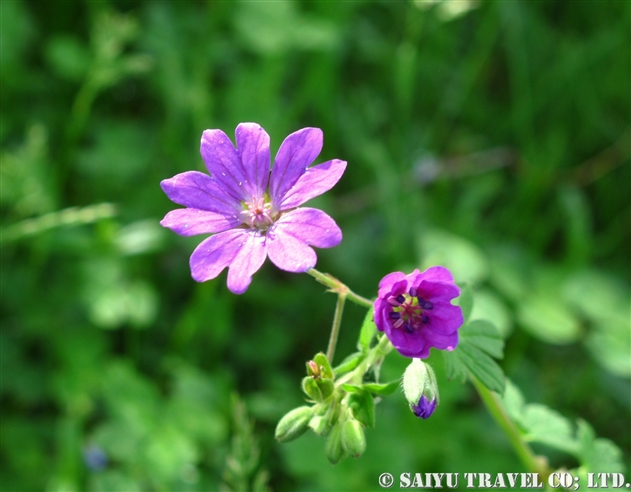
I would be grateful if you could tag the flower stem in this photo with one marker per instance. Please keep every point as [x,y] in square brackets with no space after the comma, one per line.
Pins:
[522,449]
[335,329]
[338,287]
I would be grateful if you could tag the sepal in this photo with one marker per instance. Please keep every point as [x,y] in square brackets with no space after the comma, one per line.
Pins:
[293,424]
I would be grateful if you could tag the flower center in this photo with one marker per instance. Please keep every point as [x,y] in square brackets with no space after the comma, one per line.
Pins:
[408,311]
[257,214]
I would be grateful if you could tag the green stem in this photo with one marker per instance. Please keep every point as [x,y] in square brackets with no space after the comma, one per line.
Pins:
[335,329]
[380,350]
[498,412]
[339,288]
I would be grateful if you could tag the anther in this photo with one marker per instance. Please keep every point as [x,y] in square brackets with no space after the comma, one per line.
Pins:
[425,319]
[394,315]
[413,291]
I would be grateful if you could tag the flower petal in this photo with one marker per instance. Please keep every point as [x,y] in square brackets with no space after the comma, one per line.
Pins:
[437,274]
[296,153]
[192,221]
[289,241]
[198,190]
[216,253]
[437,291]
[253,151]
[445,318]
[315,181]
[249,259]
[387,283]
[223,163]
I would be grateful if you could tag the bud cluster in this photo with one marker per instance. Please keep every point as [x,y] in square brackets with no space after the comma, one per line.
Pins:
[339,411]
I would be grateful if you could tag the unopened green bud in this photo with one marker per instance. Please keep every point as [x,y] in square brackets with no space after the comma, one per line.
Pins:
[318,389]
[353,438]
[294,424]
[333,448]
[320,425]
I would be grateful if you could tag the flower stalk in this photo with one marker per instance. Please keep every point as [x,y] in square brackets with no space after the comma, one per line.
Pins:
[338,287]
[335,329]
[495,407]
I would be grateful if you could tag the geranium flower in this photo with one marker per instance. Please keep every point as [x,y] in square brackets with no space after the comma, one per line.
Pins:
[251,212]
[415,313]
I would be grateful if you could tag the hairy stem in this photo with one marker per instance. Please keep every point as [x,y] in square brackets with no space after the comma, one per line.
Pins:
[521,447]
[338,287]
[335,329]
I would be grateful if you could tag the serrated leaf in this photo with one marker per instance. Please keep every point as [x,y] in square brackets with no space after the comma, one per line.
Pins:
[483,367]
[597,455]
[454,367]
[549,427]
[465,300]
[485,336]
[367,331]
[348,364]
[514,403]
[479,340]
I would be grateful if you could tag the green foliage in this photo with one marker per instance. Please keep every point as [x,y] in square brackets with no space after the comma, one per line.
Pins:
[493,140]
[479,343]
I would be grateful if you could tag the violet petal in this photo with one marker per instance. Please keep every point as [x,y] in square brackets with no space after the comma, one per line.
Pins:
[315,181]
[290,240]
[296,153]
[192,221]
[248,260]
[216,253]
[223,163]
[198,190]
[253,151]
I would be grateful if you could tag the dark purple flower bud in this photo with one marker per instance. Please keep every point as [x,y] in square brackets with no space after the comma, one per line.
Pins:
[425,408]
[415,311]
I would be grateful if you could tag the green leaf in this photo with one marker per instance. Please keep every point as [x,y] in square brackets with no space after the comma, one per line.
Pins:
[483,367]
[483,334]
[367,332]
[548,319]
[479,340]
[597,455]
[549,427]
[349,363]
[362,406]
[465,300]
[374,388]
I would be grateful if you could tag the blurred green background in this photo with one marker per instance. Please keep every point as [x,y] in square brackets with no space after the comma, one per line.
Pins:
[490,137]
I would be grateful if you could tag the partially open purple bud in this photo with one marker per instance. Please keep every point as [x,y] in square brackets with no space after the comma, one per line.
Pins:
[425,408]
[420,388]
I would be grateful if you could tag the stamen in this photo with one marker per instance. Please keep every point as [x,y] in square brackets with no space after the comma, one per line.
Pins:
[425,304]
[393,301]
[424,319]
[413,291]
[394,315]
[408,328]
[400,298]
[398,323]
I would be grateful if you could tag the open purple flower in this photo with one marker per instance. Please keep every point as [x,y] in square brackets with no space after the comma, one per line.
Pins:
[251,212]
[415,313]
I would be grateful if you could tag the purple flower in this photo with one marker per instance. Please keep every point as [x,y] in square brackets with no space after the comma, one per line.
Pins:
[415,313]
[251,212]
[425,408]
